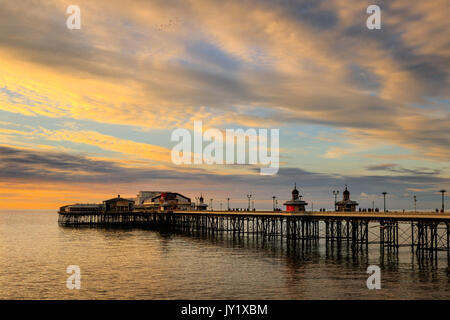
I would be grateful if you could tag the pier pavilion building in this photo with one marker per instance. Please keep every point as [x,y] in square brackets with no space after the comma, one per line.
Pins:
[118,205]
[296,204]
[143,196]
[201,206]
[168,201]
[346,204]
[82,208]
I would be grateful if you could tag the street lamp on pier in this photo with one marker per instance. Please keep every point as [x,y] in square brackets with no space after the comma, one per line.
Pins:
[443,192]
[210,201]
[384,200]
[249,196]
[273,197]
[415,205]
[228,200]
[335,193]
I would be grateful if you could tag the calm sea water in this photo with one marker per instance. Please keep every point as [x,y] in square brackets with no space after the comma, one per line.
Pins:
[144,264]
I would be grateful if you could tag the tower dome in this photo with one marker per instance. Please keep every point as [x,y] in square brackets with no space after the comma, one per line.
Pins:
[296,204]
[346,194]
[346,204]
[201,198]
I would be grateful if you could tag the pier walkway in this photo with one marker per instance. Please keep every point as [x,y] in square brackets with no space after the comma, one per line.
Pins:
[374,216]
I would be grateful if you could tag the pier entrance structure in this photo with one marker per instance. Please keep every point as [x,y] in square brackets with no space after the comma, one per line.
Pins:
[296,204]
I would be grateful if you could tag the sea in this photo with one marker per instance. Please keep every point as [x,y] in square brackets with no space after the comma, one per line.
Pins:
[128,263]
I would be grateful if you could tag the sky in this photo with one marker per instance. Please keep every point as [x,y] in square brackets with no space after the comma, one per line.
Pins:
[88,114]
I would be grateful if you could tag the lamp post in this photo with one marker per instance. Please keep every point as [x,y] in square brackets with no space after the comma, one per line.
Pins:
[276,204]
[335,193]
[442,191]
[197,202]
[211,200]
[384,200]
[228,200]
[415,206]
[273,197]
[249,196]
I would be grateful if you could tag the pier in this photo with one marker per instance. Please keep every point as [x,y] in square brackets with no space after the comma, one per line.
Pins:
[425,233]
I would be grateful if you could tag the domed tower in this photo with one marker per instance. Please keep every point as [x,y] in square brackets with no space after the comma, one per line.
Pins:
[346,204]
[346,194]
[201,206]
[296,204]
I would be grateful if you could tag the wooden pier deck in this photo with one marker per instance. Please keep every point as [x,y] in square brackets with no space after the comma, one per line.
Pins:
[374,216]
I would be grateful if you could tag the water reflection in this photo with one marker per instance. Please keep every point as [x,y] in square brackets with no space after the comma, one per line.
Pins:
[335,252]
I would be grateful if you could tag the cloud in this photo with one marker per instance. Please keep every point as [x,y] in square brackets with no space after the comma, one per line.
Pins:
[336,153]
[399,169]
[40,165]
[382,167]
[26,165]
[306,61]
[61,173]
[136,150]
